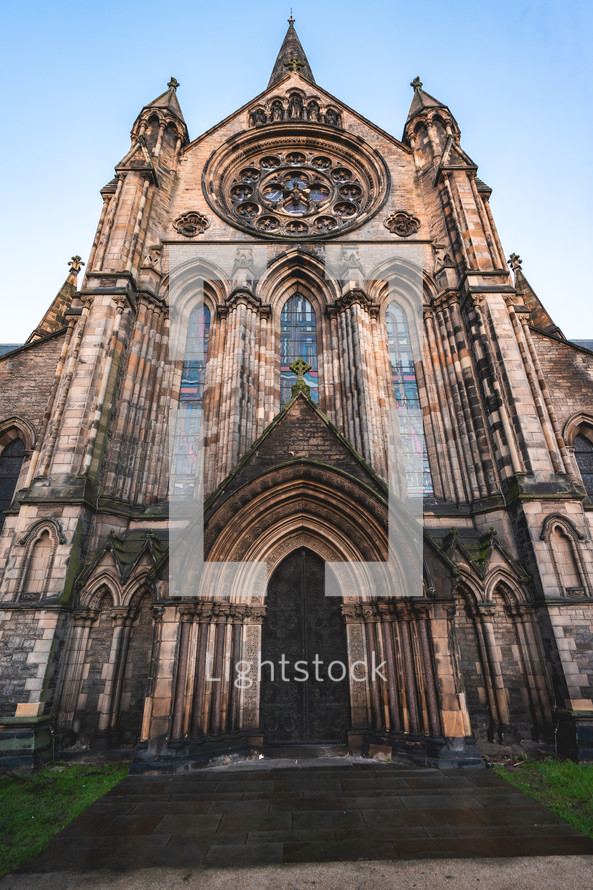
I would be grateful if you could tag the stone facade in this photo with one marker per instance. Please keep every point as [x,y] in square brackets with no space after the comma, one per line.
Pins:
[97,649]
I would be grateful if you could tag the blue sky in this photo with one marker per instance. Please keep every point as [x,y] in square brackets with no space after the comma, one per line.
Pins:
[517,76]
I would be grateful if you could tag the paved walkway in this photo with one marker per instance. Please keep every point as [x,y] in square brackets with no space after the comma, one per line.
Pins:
[272,815]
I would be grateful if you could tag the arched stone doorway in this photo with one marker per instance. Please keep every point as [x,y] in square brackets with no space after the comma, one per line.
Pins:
[303,635]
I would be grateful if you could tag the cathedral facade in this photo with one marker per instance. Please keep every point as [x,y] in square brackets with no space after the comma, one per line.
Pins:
[258,305]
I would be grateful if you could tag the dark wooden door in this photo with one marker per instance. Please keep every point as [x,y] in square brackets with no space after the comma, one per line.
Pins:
[302,626]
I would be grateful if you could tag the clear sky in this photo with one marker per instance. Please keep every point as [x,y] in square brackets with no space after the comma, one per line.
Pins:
[516,75]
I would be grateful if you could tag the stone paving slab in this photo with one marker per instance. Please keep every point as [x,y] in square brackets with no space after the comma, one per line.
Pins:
[213,819]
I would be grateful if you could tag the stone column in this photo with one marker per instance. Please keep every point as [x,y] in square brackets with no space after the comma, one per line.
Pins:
[250,714]
[423,614]
[220,616]
[388,618]
[237,617]
[186,613]
[204,616]
[357,657]
[121,670]
[405,617]
[118,618]
[371,617]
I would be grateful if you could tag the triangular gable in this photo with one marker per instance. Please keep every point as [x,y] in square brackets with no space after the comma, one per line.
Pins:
[301,431]
[125,553]
[479,554]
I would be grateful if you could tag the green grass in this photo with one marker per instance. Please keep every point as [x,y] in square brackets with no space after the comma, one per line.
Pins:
[564,787]
[35,807]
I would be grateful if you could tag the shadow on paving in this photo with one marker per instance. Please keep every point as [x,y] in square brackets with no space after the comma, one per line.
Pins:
[240,817]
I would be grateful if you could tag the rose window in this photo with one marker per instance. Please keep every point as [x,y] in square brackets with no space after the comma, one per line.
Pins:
[299,186]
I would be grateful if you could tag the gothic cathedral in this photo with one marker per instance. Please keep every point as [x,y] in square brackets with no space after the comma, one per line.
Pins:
[261,308]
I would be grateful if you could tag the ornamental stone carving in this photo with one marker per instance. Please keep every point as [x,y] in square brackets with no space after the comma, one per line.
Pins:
[191,224]
[296,107]
[402,223]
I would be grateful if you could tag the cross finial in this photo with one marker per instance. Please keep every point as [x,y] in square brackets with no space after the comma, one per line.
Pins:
[294,64]
[75,265]
[515,262]
[173,84]
[291,20]
[416,83]
[300,368]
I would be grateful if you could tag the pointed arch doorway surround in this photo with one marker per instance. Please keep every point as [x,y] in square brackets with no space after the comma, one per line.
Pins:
[304,626]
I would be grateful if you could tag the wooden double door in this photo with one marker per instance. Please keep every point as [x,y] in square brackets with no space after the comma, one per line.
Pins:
[304,686]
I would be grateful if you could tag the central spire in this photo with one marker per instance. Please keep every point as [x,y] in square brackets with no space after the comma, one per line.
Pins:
[291,57]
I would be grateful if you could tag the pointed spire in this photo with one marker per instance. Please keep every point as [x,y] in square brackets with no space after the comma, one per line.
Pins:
[291,57]
[169,100]
[54,319]
[538,315]
[422,99]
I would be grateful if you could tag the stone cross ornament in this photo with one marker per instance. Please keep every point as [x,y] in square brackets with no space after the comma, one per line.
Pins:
[300,368]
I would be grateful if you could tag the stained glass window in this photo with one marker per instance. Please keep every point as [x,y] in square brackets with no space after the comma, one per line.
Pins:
[11,461]
[583,452]
[298,339]
[193,379]
[407,398]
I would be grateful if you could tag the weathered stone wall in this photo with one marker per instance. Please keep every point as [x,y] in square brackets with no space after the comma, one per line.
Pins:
[26,379]
[30,642]
[568,373]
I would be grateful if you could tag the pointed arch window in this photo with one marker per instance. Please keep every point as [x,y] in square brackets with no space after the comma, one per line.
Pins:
[298,339]
[191,397]
[583,452]
[11,462]
[407,399]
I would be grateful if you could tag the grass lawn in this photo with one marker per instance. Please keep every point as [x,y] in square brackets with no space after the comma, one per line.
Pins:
[35,807]
[564,787]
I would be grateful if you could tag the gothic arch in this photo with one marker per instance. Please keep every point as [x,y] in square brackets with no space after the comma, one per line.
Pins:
[304,275]
[16,441]
[467,587]
[136,588]
[565,545]
[190,274]
[15,427]
[93,594]
[268,516]
[293,270]
[41,543]
[578,424]
[54,525]
[504,579]
[567,524]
